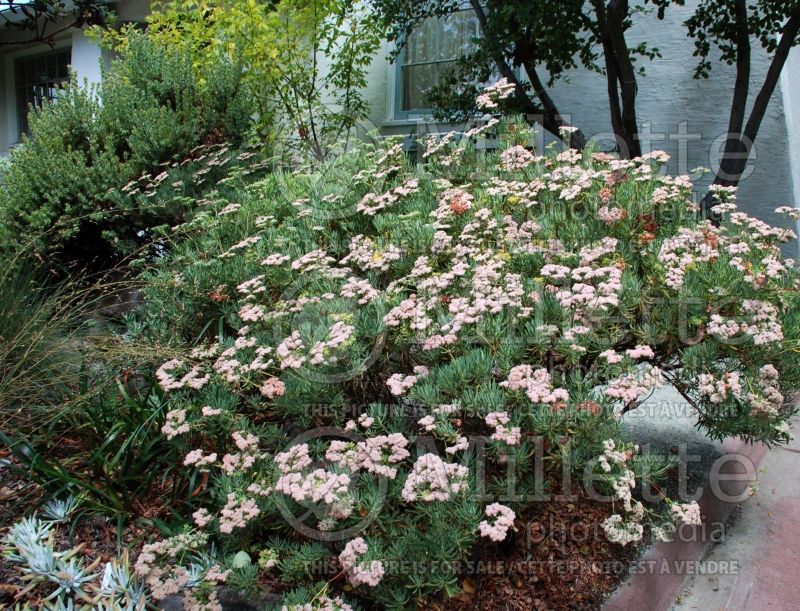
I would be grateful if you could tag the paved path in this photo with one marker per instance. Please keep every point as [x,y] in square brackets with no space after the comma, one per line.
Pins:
[764,541]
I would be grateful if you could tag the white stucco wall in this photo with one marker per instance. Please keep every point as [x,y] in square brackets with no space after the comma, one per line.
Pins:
[87,58]
[790,84]
[687,117]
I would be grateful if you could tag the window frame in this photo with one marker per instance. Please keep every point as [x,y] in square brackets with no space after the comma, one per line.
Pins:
[397,89]
[12,110]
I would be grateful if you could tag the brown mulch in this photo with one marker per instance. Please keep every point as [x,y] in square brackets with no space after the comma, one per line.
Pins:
[558,558]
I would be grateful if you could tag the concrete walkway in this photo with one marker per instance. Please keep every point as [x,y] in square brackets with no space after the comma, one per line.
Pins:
[764,543]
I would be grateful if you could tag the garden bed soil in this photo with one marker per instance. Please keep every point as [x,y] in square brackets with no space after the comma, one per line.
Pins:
[559,558]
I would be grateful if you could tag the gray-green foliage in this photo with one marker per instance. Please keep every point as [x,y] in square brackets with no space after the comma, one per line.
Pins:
[66,576]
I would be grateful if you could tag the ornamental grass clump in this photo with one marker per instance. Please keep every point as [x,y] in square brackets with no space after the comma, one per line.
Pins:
[385,364]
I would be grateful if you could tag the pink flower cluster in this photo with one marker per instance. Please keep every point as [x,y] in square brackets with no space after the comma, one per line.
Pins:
[689,246]
[359,288]
[377,455]
[192,379]
[515,192]
[244,244]
[611,356]
[594,289]
[687,513]
[360,572]
[317,486]
[323,352]
[499,420]
[611,215]
[620,531]
[767,399]
[272,387]
[517,158]
[290,350]
[158,565]
[315,260]
[236,513]
[537,384]
[640,352]
[717,390]
[432,479]
[368,256]
[245,459]
[611,456]
[763,394]
[399,384]
[570,180]
[409,309]
[760,231]
[198,459]
[497,529]
[762,324]
[275,259]
[372,203]
[593,252]
[490,96]
[630,386]
[175,423]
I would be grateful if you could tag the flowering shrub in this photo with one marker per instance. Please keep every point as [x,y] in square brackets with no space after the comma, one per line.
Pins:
[392,344]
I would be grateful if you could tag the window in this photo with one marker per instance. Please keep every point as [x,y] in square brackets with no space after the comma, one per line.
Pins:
[427,55]
[38,79]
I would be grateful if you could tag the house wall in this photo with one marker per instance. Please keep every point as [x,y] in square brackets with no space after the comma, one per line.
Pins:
[87,58]
[677,113]
[790,84]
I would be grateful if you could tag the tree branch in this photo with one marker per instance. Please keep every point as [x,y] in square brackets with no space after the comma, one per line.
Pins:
[551,120]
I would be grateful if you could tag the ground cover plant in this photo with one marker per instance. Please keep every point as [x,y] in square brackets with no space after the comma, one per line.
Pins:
[375,368]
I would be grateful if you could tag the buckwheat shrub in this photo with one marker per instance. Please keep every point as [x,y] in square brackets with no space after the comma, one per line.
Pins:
[381,333]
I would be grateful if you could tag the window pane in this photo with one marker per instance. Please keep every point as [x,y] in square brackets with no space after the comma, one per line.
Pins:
[38,80]
[429,52]
[456,34]
[417,81]
[421,46]
[39,69]
[63,65]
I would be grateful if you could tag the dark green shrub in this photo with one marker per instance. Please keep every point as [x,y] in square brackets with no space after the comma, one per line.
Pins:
[60,193]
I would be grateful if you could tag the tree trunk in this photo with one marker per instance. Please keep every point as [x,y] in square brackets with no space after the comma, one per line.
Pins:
[734,147]
[547,114]
[620,74]
[576,139]
[731,170]
[617,13]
